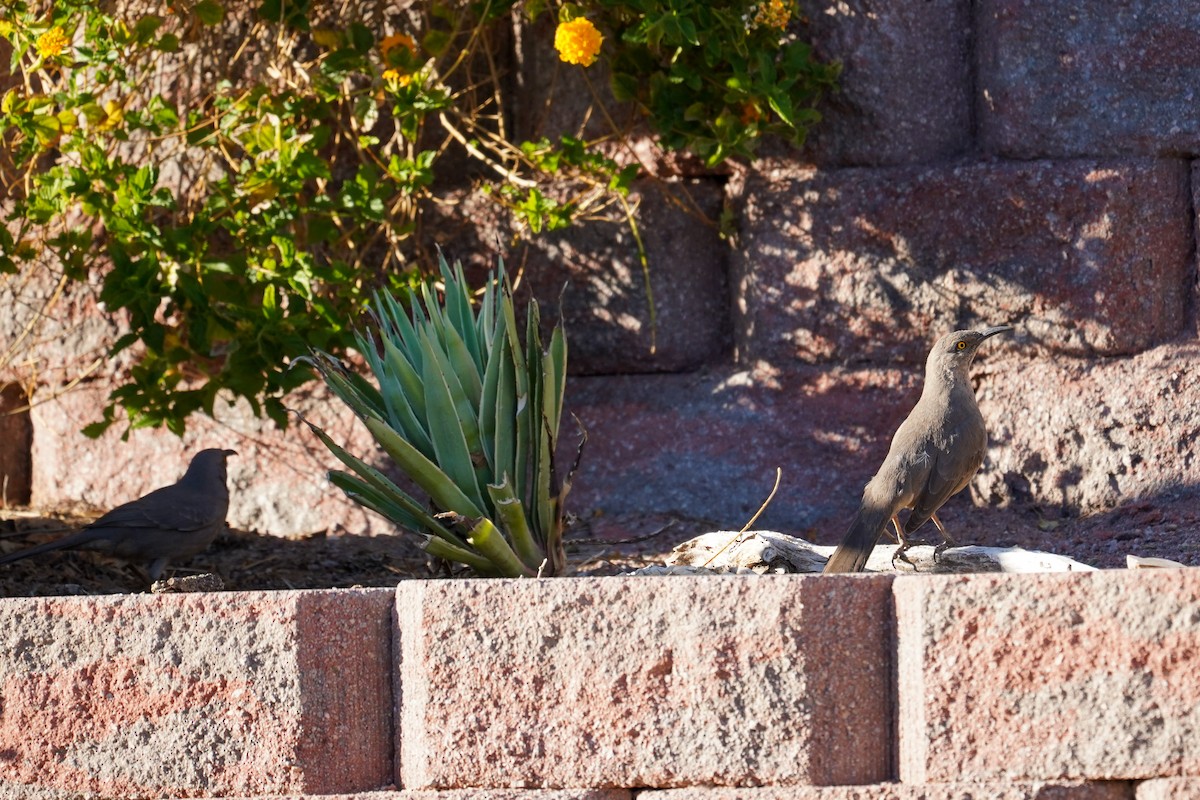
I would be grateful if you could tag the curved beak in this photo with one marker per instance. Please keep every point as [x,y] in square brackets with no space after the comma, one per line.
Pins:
[986,332]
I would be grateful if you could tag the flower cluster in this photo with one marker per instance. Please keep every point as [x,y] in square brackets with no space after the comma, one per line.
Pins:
[395,76]
[52,43]
[774,13]
[578,42]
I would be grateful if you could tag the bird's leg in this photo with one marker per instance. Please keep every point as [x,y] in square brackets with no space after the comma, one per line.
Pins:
[898,536]
[947,541]
[904,545]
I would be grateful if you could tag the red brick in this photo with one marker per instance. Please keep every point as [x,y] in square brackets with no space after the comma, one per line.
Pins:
[277,480]
[1088,676]
[1169,789]
[471,794]
[646,682]
[707,446]
[1091,435]
[904,95]
[1086,257]
[180,695]
[905,791]
[1062,79]
[594,269]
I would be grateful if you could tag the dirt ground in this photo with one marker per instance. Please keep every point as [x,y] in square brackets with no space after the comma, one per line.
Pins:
[1166,526]
[251,561]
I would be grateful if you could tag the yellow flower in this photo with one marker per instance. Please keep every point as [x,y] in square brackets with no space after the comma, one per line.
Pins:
[395,78]
[52,43]
[578,42]
[774,13]
[6,28]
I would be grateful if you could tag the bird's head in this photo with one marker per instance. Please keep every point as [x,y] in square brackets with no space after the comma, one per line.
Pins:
[955,351]
[209,465]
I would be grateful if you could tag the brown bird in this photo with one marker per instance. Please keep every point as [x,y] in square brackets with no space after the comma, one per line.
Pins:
[934,455]
[172,522]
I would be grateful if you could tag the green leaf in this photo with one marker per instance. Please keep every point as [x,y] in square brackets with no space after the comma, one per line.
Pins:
[487,540]
[512,514]
[209,12]
[442,490]
[452,424]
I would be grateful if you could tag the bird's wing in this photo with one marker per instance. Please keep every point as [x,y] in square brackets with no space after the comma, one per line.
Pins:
[949,472]
[167,508]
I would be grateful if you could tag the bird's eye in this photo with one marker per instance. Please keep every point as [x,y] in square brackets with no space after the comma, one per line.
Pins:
[961,345]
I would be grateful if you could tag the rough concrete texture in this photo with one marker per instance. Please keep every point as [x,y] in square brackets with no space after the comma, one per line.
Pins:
[1169,789]
[1090,435]
[1088,257]
[472,794]
[55,332]
[594,268]
[903,791]
[277,480]
[904,96]
[708,445]
[1048,677]
[188,695]
[654,682]
[1063,79]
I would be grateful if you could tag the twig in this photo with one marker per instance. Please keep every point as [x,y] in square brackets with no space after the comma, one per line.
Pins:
[757,514]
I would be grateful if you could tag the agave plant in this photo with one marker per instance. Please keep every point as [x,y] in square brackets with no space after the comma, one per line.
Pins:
[470,413]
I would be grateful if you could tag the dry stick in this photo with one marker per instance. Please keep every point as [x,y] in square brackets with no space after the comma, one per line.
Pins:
[477,153]
[757,514]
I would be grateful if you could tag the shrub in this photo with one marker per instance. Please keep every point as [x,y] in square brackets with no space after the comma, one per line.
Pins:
[236,226]
[470,413]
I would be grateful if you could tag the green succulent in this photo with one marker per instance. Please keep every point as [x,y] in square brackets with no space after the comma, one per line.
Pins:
[470,413]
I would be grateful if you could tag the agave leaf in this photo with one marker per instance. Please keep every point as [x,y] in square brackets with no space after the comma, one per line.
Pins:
[512,516]
[365,494]
[488,402]
[536,429]
[383,484]
[439,548]
[453,426]
[506,424]
[359,395]
[440,487]
[554,367]
[485,322]
[405,337]
[487,540]
[463,366]
[396,398]
[520,420]
[458,310]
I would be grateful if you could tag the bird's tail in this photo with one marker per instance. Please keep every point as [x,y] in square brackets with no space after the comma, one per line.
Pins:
[77,539]
[851,555]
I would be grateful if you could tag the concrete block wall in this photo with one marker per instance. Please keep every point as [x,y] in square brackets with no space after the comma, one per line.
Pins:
[980,162]
[1065,686]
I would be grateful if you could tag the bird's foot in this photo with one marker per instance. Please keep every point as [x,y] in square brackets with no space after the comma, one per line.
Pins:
[941,548]
[901,553]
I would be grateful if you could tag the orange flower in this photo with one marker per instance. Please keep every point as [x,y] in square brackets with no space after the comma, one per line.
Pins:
[774,13]
[578,42]
[390,43]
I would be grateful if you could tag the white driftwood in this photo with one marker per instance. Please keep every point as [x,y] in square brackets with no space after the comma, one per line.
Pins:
[763,552]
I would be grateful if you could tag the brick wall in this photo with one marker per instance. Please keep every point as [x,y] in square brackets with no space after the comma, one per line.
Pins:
[982,162]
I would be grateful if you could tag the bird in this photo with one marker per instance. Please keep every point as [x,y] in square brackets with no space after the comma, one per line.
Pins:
[172,522]
[933,456]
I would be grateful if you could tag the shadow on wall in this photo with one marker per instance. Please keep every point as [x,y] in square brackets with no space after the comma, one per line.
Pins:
[867,265]
[593,268]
